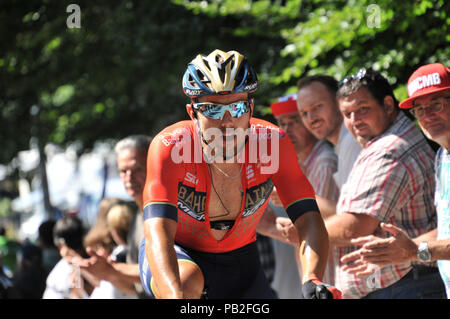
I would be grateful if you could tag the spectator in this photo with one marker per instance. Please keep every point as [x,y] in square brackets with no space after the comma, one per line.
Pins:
[9,248]
[66,281]
[429,102]
[100,240]
[316,157]
[7,289]
[318,108]
[30,277]
[318,161]
[131,161]
[391,181]
[99,237]
[119,221]
[50,253]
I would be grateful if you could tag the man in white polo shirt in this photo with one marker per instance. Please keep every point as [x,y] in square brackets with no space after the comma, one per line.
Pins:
[318,108]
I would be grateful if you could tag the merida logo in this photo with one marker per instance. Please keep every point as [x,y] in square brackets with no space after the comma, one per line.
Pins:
[423,82]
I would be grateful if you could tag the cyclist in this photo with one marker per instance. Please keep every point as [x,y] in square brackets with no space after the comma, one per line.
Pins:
[208,183]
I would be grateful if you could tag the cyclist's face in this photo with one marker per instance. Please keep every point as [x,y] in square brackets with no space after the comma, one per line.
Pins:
[364,117]
[292,124]
[132,170]
[435,125]
[231,128]
[319,112]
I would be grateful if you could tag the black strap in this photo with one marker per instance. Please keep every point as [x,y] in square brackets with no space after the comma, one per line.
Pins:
[222,224]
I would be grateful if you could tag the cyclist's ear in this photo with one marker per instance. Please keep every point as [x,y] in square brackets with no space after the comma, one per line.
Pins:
[191,112]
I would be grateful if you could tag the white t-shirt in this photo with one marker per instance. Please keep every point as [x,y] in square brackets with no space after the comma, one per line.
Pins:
[347,150]
[106,290]
[58,282]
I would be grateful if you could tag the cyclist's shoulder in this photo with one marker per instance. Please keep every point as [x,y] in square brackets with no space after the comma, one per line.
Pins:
[265,129]
[174,133]
[260,123]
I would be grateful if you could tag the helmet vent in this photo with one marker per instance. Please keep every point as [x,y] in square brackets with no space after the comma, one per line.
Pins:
[202,77]
[207,64]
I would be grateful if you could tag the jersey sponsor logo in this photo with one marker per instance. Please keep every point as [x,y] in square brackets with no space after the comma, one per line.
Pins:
[266,132]
[190,226]
[177,136]
[256,196]
[250,172]
[191,178]
[191,201]
[423,82]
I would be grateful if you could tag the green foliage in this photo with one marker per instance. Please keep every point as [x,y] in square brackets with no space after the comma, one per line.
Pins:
[120,73]
[338,37]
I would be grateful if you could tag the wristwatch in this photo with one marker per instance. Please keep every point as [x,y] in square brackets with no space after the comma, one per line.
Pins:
[423,253]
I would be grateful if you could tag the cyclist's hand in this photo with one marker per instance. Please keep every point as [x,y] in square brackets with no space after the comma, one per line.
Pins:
[315,289]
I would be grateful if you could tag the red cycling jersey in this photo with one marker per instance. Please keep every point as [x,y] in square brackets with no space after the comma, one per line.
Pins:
[178,184]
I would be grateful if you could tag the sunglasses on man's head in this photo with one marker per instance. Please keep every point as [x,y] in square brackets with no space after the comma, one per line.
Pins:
[216,111]
[357,76]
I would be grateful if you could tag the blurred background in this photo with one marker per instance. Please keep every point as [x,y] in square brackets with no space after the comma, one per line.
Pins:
[76,76]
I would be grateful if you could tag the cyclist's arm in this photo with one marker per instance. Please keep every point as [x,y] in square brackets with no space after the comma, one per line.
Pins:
[314,248]
[161,256]
[267,226]
[160,215]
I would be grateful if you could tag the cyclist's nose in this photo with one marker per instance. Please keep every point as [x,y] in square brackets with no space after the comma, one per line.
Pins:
[227,119]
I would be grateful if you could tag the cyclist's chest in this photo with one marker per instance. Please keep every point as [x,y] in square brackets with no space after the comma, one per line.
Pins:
[200,196]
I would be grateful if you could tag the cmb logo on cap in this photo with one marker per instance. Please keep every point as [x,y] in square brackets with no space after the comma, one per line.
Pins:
[423,82]
[427,79]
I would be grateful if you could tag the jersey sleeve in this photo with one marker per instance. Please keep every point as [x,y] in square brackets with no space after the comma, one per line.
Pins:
[163,174]
[294,189]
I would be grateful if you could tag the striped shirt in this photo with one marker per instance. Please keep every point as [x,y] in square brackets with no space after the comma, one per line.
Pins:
[392,180]
[319,167]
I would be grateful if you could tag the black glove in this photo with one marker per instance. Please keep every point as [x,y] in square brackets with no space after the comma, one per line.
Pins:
[315,289]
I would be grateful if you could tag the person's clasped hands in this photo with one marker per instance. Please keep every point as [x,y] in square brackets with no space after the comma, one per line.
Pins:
[377,252]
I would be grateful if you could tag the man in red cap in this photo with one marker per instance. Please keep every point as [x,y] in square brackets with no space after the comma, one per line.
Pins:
[429,94]
[316,157]
[319,162]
